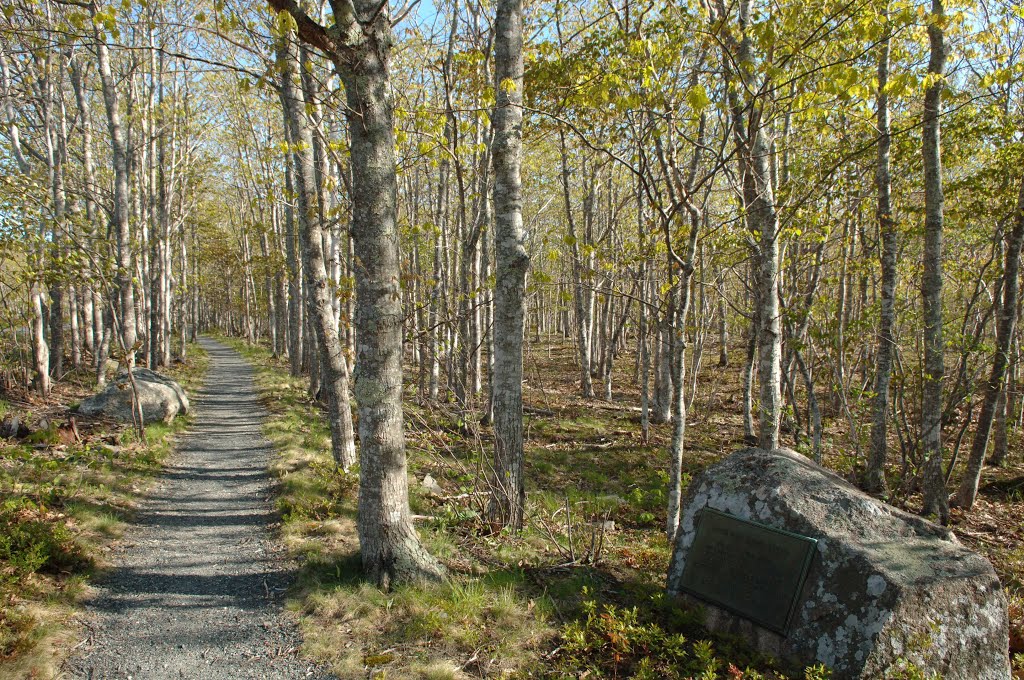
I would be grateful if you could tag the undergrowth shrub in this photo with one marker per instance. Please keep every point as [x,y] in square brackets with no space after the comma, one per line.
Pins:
[1017,627]
[319,493]
[617,642]
[613,641]
[19,631]
[610,641]
[31,540]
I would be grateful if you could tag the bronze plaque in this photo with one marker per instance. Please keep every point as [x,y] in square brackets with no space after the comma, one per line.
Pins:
[753,570]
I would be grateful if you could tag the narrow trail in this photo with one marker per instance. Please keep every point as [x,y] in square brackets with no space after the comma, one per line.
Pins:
[197,586]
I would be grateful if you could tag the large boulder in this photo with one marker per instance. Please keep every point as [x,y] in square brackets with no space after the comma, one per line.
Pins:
[884,588]
[160,397]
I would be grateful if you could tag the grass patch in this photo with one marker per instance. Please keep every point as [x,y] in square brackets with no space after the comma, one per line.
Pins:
[68,490]
[467,626]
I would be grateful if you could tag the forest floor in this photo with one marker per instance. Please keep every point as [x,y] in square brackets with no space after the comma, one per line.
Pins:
[69,488]
[579,593]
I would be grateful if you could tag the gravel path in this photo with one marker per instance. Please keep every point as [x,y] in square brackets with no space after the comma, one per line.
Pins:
[197,587]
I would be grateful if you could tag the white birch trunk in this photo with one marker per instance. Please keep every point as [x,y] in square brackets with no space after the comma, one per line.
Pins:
[511,263]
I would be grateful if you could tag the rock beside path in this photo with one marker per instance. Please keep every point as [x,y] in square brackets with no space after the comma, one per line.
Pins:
[160,397]
[885,588]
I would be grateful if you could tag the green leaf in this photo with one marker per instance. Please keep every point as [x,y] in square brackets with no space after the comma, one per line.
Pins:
[697,98]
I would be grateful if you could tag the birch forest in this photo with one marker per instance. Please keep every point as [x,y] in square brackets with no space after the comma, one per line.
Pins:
[510,273]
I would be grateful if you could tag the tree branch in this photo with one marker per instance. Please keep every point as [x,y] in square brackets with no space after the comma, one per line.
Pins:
[309,30]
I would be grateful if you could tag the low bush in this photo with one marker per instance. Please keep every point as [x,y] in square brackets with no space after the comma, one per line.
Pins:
[621,642]
[34,540]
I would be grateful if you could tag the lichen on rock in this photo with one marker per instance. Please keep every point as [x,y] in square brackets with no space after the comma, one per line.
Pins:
[884,588]
[160,398]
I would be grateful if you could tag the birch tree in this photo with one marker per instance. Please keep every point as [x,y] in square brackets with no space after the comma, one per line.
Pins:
[318,295]
[126,319]
[508,490]
[753,141]
[1006,326]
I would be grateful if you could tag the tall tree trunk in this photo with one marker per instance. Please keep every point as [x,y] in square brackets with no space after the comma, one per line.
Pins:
[56,152]
[106,333]
[761,203]
[875,478]
[1000,440]
[1006,326]
[360,47]
[158,213]
[508,491]
[126,318]
[92,301]
[936,501]
[749,373]
[756,170]
[74,315]
[40,350]
[281,306]
[37,322]
[295,320]
[311,351]
[644,312]
[332,358]
[678,358]
[183,286]
[434,321]
[391,551]
[580,297]
[661,407]
[167,166]
[723,320]
[488,339]
[268,291]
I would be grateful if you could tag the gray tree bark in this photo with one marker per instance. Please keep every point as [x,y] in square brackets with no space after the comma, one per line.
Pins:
[875,479]
[295,316]
[761,203]
[37,310]
[92,299]
[360,46]
[321,311]
[122,228]
[755,155]
[936,501]
[55,131]
[158,213]
[511,263]
[37,322]
[661,402]
[1006,326]
[580,296]
[723,320]
[1000,439]
[681,267]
